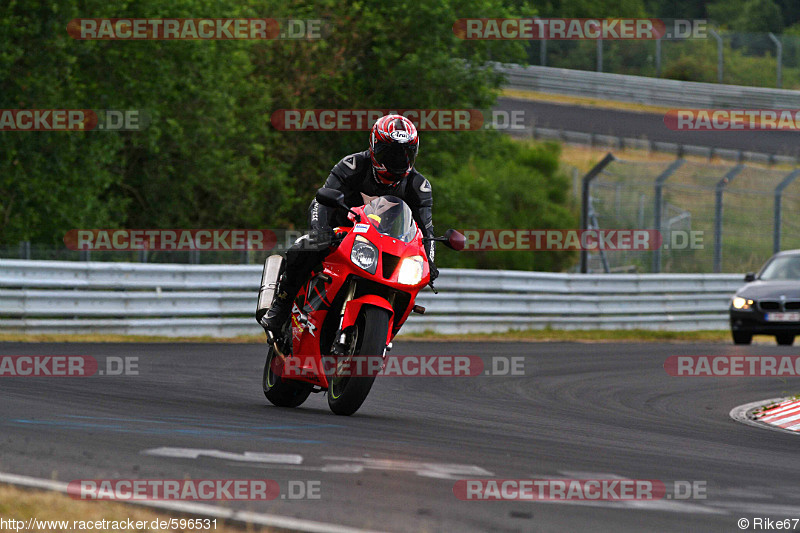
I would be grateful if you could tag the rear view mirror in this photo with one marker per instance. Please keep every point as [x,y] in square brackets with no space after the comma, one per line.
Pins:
[749,277]
[454,240]
[330,197]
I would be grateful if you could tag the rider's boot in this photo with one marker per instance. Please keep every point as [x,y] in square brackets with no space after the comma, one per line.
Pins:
[279,310]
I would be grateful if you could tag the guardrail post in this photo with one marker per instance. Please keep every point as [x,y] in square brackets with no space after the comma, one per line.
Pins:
[585,189]
[718,190]
[778,57]
[719,54]
[658,204]
[776,228]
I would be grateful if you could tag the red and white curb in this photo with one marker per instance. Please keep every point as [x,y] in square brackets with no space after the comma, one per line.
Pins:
[785,415]
[779,414]
[285,523]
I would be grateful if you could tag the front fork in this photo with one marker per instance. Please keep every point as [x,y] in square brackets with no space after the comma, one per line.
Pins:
[351,309]
[343,341]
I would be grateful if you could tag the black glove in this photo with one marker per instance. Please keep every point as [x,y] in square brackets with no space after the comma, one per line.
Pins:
[320,238]
[434,271]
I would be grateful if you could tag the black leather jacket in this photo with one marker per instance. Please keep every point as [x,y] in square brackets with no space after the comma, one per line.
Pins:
[353,177]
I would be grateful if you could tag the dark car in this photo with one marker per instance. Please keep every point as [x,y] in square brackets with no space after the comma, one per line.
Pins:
[770,302]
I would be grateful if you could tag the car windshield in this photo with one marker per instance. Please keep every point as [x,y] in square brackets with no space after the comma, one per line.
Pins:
[391,216]
[786,267]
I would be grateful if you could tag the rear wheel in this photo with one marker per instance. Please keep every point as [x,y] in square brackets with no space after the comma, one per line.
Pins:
[741,337]
[282,392]
[347,393]
[785,339]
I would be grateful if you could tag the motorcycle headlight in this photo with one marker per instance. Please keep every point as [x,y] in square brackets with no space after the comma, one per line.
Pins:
[410,270]
[364,255]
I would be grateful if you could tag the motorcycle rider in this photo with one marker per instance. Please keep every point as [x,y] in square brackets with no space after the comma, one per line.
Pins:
[386,168]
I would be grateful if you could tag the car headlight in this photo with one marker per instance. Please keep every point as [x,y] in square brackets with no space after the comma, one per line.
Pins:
[364,255]
[410,270]
[740,303]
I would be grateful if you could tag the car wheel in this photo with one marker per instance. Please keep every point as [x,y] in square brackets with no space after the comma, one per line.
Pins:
[741,337]
[785,339]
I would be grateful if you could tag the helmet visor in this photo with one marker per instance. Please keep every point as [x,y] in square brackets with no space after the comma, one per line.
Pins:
[396,157]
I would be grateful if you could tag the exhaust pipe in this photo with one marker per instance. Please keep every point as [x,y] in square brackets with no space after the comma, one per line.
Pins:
[269,283]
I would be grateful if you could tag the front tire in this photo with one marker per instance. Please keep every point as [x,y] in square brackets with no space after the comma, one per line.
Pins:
[785,339]
[346,394]
[282,392]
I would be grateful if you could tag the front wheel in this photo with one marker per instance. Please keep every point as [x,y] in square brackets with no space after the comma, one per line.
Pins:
[785,339]
[347,393]
[282,392]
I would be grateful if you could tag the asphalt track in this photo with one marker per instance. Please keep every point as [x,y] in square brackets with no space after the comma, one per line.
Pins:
[579,411]
[646,125]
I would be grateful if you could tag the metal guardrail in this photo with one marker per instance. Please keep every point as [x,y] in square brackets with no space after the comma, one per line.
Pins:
[614,142]
[193,300]
[644,90]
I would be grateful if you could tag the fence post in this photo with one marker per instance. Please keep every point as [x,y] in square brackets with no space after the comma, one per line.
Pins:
[776,227]
[719,54]
[778,57]
[599,55]
[586,185]
[657,207]
[543,52]
[658,57]
[718,190]
[24,249]
[575,187]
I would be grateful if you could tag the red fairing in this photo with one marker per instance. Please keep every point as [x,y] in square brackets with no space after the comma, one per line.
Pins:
[317,310]
[353,308]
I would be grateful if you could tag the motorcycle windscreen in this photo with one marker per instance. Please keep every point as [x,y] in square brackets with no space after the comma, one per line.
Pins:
[391,216]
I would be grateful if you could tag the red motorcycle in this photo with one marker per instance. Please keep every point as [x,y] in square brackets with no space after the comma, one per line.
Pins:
[345,317]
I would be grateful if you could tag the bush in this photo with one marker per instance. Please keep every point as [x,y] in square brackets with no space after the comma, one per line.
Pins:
[508,185]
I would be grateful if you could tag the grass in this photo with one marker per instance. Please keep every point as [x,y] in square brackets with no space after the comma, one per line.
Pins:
[24,504]
[582,101]
[588,336]
[539,335]
[585,157]
[747,232]
[98,337]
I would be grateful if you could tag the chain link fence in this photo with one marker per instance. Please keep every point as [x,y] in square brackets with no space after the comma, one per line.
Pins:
[712,217]
[32,251]
[755,59]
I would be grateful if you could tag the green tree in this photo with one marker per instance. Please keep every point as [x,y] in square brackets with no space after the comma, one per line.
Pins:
[748,16]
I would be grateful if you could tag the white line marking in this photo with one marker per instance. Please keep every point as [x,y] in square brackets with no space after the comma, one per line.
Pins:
[248,457]
[434,470]
[652,505]
[244,517]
